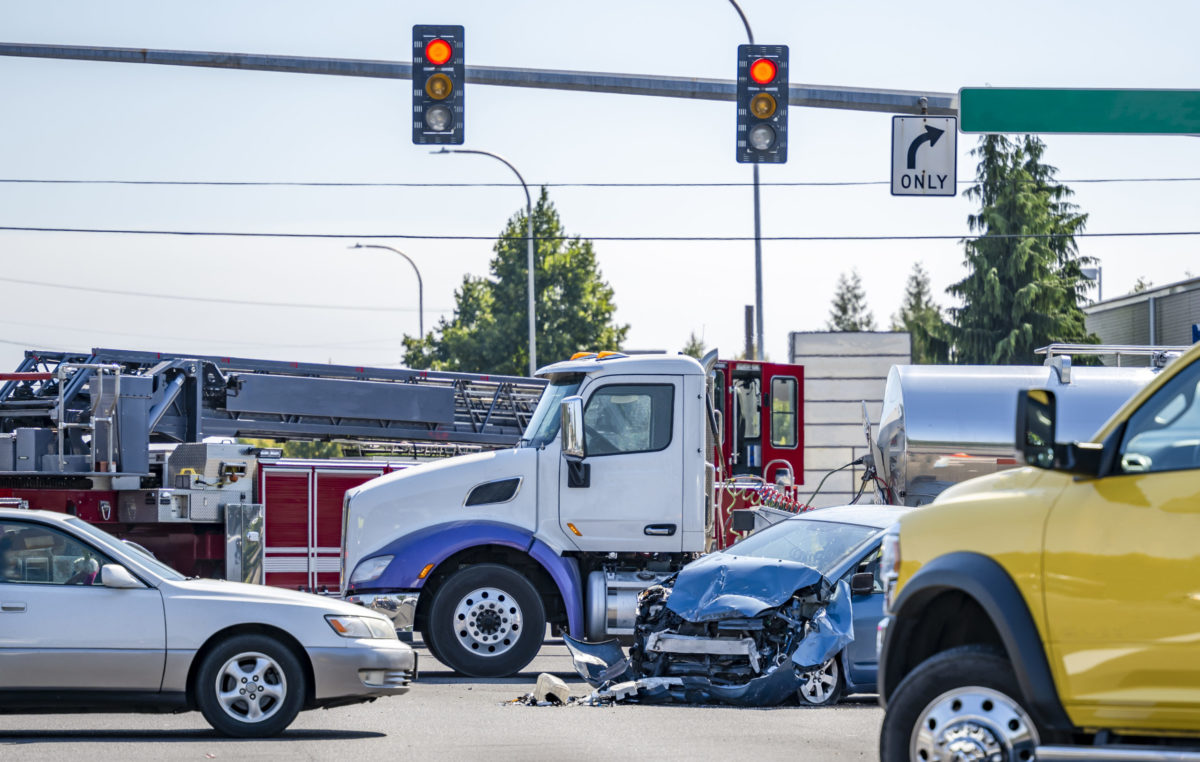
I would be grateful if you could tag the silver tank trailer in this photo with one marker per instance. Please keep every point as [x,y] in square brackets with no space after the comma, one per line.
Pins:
[944,424]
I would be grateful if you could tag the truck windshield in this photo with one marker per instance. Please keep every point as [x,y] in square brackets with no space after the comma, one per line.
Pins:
[543,427]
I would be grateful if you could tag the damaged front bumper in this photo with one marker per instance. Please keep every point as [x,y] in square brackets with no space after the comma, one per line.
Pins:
[731,631]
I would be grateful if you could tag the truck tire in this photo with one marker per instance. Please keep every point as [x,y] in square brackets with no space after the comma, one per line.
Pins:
[959,704]
[486,620]
[250,686]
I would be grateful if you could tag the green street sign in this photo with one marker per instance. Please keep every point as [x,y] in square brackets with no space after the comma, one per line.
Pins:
[1089,112]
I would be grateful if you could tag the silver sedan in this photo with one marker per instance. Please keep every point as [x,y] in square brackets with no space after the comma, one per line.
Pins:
[90,623]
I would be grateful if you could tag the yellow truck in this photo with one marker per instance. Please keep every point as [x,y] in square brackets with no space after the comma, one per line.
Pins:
[1052,612]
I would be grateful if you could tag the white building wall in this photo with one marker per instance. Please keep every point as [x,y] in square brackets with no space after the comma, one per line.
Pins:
[841,371]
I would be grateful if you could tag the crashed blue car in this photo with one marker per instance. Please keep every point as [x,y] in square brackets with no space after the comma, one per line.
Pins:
[789,611]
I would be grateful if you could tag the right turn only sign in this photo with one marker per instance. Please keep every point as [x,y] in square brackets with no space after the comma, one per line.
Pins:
[924,155]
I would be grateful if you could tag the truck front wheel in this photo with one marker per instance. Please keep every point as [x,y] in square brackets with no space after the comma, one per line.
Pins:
[960,704]
[486,620]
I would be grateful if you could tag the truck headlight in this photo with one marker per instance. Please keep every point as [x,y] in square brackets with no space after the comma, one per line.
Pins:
[889,562]
[370,569]
[361,626]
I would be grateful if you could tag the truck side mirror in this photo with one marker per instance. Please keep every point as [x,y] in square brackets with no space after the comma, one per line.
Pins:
[571,414]
[1036,424]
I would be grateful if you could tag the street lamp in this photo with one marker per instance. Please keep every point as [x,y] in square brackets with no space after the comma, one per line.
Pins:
[758,284]
[420,286]
[529,235]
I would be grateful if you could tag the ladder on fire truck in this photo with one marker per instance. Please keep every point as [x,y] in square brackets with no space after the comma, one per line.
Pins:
[140,398]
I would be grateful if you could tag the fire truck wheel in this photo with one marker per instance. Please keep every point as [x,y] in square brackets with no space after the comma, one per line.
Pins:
[250,686]
[486,620]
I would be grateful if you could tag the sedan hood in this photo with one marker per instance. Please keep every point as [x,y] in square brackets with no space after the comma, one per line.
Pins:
[723,586]
[242,593]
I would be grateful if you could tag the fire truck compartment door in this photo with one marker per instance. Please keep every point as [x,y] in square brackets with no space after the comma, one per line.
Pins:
[634,435]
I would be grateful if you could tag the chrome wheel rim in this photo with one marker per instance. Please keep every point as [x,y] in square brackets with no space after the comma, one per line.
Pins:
[973,723]
[487,621]
[819,684]
[251,687]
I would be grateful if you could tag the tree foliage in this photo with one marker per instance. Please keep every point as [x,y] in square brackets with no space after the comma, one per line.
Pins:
[1024,291]
[694,346]
[849,309]
[922,318]
[489,332]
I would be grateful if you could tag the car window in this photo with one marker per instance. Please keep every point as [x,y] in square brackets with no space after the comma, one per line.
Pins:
[819,544]
[37,554]
[1164,433]
[624,418]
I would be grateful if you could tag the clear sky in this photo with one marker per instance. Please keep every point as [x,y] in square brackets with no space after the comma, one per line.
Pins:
[80,120]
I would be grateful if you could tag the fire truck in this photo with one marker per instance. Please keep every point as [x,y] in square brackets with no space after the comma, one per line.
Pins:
[151,447]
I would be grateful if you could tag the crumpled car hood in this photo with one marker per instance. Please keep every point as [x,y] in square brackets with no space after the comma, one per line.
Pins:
[724,586]
[719,605]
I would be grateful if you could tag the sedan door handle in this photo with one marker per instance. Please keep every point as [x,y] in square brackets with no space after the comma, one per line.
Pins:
[659,530]
[13,606]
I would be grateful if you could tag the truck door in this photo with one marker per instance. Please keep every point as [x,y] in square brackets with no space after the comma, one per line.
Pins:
[782,422]
[632,497]
[1122,571]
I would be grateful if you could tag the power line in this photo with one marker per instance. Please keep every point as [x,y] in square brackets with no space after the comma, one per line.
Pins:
[354,184]
[361,343]
[210,300]
[667,238]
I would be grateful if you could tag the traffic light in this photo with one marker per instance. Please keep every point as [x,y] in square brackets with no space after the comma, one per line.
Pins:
[438,75]
[762,102]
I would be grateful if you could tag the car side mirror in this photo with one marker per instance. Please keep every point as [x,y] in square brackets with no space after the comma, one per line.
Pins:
[862,583]
[571,414]
[115,575]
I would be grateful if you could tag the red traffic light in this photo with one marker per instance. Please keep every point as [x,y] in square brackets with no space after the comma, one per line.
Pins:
[438,52]
[763,71]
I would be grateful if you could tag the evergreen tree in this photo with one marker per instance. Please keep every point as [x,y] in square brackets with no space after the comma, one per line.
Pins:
[922,318]
[849,309]
[694,346]
[1020,293]
[489,332]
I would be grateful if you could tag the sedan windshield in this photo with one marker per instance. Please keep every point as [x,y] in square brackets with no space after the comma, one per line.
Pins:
[819,544]
[543,427]
[106,539]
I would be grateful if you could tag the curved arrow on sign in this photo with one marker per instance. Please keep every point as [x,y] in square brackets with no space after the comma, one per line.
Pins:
[931,134]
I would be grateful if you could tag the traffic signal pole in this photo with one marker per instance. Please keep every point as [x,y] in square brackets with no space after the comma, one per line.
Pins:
[694,88]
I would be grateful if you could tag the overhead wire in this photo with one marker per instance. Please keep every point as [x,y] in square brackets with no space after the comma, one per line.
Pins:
[676,184]
[683,238]
[211,299]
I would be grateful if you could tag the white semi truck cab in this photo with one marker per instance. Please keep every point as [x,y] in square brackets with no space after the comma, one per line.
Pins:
[607,493]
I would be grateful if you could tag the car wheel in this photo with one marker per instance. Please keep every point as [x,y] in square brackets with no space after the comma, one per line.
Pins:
[960,704]
[486,621]
[822,686]
[250,686]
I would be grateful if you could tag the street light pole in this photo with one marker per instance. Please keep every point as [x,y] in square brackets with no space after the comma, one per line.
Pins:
[529,236]
[420,286]
[758,285]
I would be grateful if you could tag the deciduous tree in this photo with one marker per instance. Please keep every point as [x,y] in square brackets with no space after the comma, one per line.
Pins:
[489,332]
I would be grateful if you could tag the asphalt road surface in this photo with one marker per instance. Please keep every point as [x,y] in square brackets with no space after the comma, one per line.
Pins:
[446,717]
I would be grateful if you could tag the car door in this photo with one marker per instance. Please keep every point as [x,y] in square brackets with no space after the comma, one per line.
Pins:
[61,628]
[861,658]
[1122,571]
[633,497]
